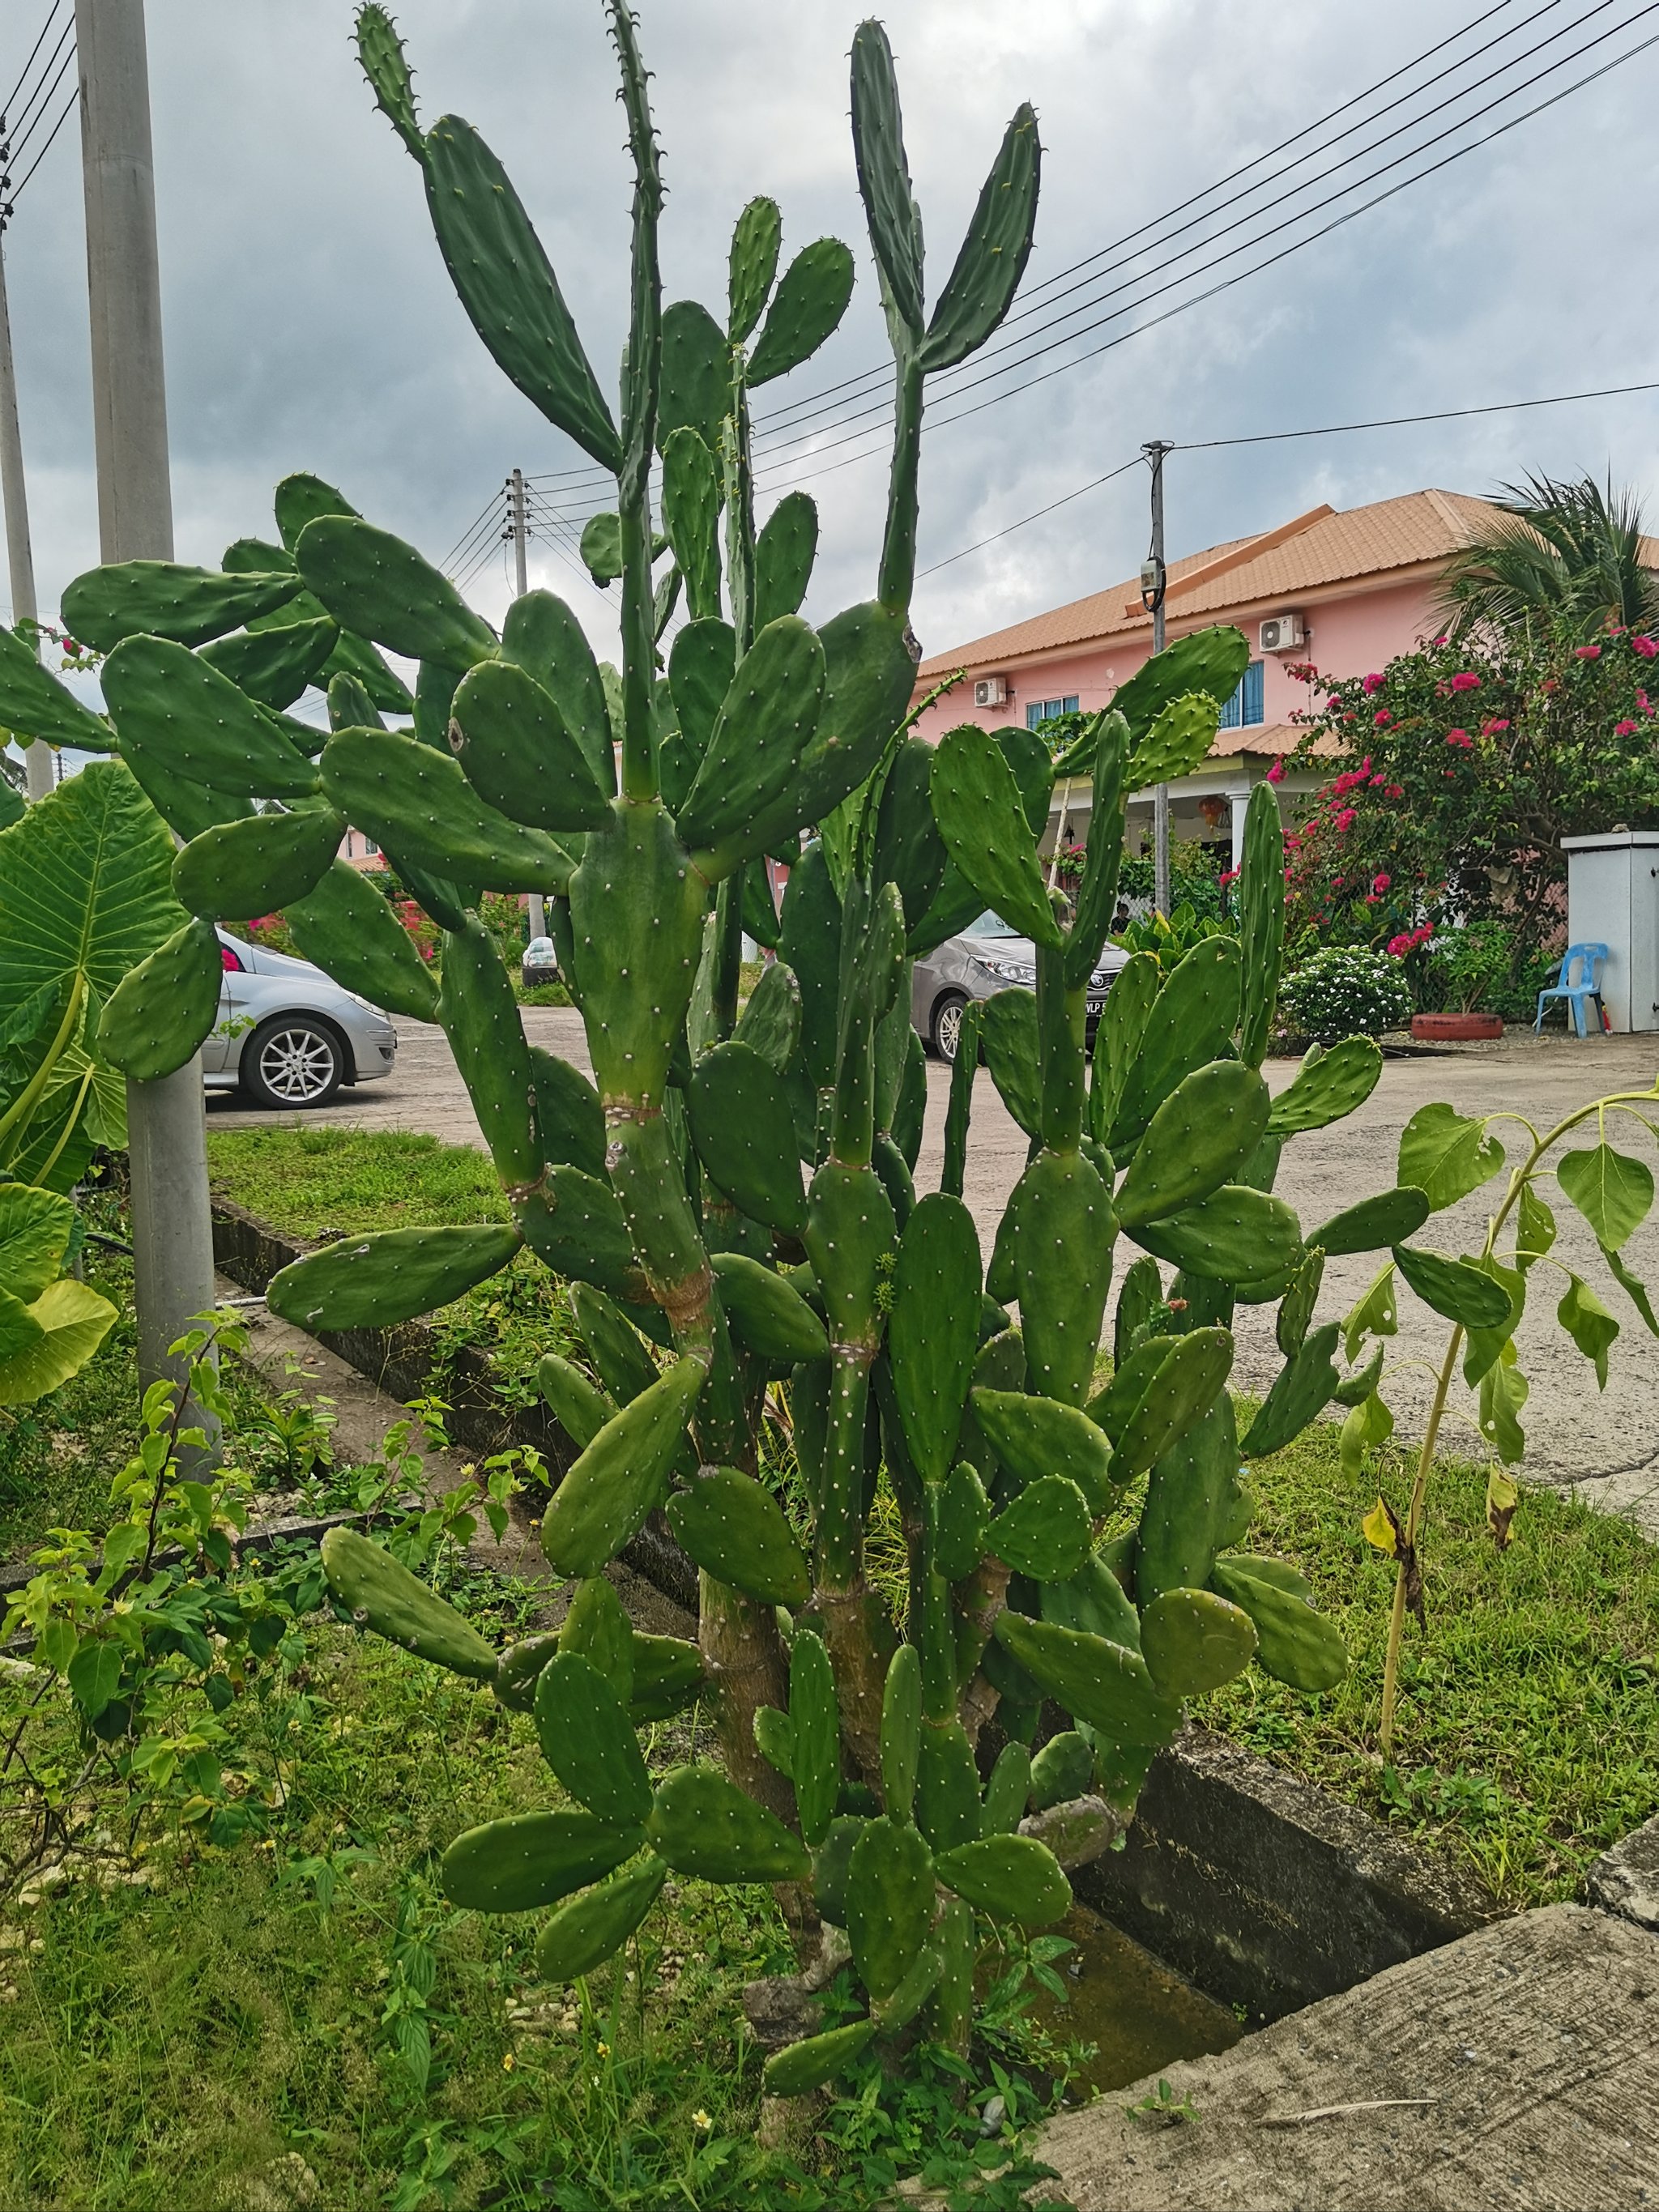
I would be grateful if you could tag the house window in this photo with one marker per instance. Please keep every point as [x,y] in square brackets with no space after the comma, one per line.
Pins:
[1245,710]
[1042,710]
[371,850]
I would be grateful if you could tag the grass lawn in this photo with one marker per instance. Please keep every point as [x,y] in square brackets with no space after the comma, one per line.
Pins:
[1528,1734]
[315,1994]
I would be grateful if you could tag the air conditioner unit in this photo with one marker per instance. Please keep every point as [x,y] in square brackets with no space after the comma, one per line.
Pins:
[1280,633]
[991,691]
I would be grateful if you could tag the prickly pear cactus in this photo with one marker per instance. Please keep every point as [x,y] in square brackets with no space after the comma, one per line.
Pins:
[732,1197]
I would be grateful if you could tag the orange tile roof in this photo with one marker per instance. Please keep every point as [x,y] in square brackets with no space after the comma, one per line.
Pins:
[1322,549]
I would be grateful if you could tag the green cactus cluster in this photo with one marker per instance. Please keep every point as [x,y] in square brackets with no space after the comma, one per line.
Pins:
[731,1198]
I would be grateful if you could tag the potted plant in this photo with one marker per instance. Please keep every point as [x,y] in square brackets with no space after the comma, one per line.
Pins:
[1467,968]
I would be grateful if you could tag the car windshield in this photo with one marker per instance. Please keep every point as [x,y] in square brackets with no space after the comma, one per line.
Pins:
[989,924]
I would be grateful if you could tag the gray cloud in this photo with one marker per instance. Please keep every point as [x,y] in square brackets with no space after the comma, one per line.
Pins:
[310,323]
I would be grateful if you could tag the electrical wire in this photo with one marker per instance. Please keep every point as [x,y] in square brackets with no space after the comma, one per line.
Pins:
[1315,431]
[38,101]
[877,415]
[68,32]
[1154,223]
[1012,345]
[40,42]
[1064,500]
[938,421]
[67,110]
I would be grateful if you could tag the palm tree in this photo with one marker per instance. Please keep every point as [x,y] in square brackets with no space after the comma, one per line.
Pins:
[1567,555]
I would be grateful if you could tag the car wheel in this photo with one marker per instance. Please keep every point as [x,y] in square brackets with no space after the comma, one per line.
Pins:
[292,1060]
[947,1025]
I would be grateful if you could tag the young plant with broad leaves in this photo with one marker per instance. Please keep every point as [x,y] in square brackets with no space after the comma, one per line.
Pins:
[731,1198]
[1447,1157]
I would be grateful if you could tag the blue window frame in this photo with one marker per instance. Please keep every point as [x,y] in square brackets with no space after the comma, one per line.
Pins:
[1042,710]
[1245,710]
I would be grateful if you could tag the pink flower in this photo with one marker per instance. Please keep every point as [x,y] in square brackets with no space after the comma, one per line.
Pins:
[1466,682]
[1490,729]
[1401,946]
[1337,882]
[1625,729]
[1382,718]
[1345,820]
[1395,791]
[1642,702]
[1422,936]
[1587,653]
[1380,883]
[1371,683]
[1459,737]
[1441,640]
[1276,772]
[1646,647]
[1332,703]
[1230,875]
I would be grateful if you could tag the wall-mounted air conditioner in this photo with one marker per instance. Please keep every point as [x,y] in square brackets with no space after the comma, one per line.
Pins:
[1280,633]
[991,691]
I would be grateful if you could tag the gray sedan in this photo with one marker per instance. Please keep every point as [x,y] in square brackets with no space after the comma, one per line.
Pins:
[287,1034]
[986,957]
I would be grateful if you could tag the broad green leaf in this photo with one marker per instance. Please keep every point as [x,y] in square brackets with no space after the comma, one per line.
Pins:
[86,882]
[1613,1192]
[1503,1392]
[1371,1424]
[1376,1315]
[73,1321]
[19,1330]
[1534,1229]
[94,1675]
[1446,1154]
[34,1227]
[1634,1287]
[1484,1344]
[1589,1323]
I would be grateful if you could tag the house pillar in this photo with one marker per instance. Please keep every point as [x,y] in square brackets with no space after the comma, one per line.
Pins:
[1238,804]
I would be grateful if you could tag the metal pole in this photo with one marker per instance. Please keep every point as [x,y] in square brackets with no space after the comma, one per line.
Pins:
[166,1129]
[38,758]
[1153,581]
[519,529]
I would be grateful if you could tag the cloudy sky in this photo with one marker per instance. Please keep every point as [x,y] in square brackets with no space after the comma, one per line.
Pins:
[310,324]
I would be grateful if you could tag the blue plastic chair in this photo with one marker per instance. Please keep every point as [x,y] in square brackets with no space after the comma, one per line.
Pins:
[1586,960]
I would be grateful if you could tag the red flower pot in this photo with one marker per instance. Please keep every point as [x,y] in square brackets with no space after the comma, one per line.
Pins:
[1456,1029]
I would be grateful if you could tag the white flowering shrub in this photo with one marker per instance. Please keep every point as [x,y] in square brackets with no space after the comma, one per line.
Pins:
[1346,990]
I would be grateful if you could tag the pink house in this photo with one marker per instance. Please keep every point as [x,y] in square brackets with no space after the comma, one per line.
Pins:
[1345,591]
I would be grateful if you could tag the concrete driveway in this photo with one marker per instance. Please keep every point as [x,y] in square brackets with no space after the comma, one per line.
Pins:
[1609,1441]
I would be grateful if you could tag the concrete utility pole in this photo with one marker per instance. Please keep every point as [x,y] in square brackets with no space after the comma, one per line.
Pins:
[519,531]
[40,760]
[1153,581]
[166,1129]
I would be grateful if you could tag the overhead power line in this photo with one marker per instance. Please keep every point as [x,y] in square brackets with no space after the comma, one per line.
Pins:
[52,13]
[1224,284]
[770,447]
[1277,437]
[1022,351]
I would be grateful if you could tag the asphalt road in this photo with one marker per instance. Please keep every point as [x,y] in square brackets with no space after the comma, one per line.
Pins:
[1608,1440]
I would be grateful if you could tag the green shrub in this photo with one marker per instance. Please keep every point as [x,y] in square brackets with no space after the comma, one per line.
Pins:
[1344,991]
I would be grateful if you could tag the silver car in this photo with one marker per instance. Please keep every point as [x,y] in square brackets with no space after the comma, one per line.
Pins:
[986,957]
[288,1034]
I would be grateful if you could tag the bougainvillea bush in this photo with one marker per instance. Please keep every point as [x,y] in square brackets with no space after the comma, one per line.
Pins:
[1462,768]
